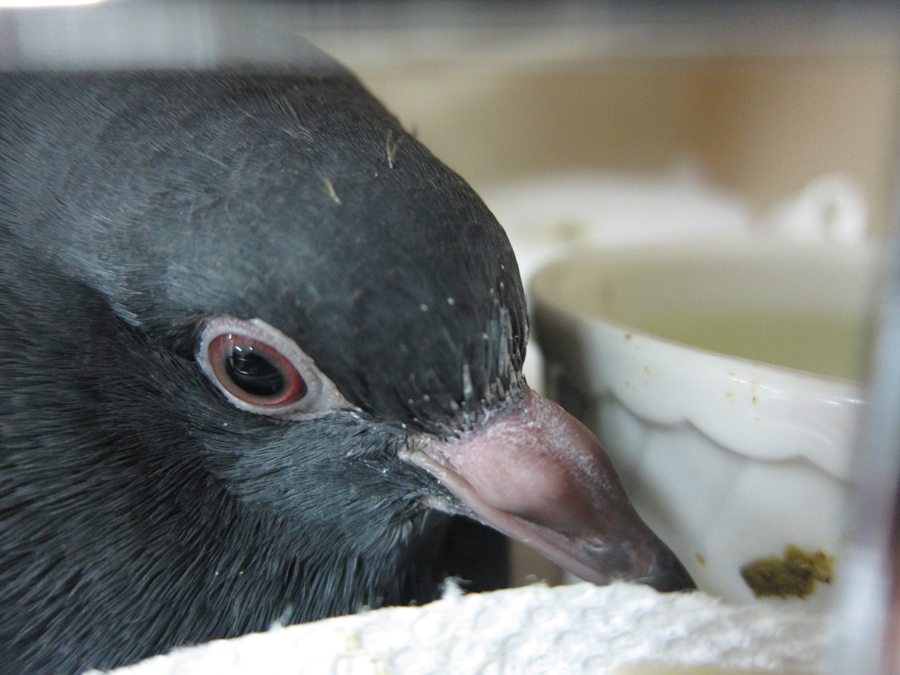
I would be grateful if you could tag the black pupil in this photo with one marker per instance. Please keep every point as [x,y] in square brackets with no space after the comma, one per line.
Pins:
[253,373]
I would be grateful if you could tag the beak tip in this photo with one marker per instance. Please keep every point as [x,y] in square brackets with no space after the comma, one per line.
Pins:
[672,576]
[673,583]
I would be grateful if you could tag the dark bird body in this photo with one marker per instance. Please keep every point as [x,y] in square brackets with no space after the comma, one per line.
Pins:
[144,504]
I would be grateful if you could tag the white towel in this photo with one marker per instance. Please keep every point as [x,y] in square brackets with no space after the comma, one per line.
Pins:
[568,630]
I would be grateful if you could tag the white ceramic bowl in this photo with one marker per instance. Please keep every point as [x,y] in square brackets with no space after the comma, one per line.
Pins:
[728,458]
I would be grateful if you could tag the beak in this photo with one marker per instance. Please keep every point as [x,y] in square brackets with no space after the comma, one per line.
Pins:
[540,476]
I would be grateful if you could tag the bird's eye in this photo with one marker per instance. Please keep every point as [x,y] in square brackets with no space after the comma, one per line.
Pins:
[254,371]
[260,369]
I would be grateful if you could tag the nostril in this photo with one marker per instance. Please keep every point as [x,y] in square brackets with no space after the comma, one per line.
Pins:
[594,547]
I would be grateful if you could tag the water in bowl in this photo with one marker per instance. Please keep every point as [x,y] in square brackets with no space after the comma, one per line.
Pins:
[827,344]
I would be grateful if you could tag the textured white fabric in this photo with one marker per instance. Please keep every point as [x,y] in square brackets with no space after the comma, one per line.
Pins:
[568,629]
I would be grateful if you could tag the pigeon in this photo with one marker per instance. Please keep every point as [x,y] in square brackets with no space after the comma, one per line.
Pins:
[260,351]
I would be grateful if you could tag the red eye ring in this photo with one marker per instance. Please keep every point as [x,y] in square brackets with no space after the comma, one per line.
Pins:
[261,370]
[254,372]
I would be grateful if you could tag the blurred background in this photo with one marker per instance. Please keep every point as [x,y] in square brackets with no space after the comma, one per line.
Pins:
[759,98]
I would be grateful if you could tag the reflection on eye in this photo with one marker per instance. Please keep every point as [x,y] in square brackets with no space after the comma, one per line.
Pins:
[254,371]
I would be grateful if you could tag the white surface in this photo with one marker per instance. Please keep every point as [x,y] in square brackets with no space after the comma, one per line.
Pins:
[569,629]
[552,214]
[728,460]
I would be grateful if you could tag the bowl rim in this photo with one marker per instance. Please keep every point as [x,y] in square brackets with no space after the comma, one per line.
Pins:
[543,298]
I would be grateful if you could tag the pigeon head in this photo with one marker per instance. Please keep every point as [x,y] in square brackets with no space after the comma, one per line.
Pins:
[270,340]
[299,201]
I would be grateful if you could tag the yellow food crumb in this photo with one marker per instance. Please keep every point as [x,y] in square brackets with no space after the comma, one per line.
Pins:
[794,575]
